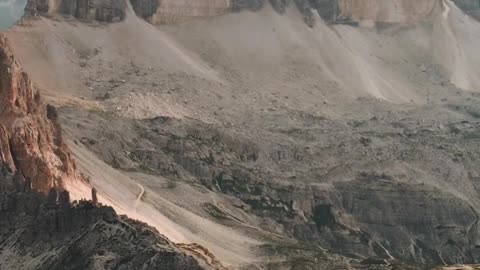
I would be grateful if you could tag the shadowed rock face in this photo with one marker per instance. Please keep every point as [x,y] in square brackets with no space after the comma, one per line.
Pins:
[145,8]
[331,11]
[100,10]
[31,143]
[85,10]
[48,232]
[170,11]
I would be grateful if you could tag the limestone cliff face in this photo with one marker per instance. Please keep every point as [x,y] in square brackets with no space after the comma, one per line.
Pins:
[176,11]
[334,11]
[31,143]
[86,10]
[100,10]
[393,11]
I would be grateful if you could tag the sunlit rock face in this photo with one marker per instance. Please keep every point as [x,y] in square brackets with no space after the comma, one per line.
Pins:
[84,10]
[31,144]
[99,10]
[393,11]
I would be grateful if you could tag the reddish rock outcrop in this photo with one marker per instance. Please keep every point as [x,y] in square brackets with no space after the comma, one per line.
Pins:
[31,144]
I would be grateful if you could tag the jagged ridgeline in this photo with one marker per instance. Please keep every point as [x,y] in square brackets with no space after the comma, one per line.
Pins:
[171,11]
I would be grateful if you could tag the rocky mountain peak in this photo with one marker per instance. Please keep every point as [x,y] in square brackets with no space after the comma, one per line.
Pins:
[31,143]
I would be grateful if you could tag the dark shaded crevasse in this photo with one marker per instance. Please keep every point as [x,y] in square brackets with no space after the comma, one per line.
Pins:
[145,8]
[327,9]
[88,10]
[253,5]
[113,10]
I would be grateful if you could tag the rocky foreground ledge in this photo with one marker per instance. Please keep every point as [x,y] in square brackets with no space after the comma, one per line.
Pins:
[49,232]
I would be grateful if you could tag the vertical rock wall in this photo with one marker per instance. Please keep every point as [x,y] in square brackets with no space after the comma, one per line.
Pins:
[86,10]
[31,143]
[392,11]
[177,11]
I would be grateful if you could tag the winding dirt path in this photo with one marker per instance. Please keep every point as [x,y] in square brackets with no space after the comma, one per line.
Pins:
[140,195]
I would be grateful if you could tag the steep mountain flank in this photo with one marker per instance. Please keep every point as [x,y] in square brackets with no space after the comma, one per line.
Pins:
[395,11]
[31,141]
[382,207]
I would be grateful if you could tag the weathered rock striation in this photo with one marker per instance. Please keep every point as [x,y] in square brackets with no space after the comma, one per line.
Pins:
[172,12]
[85,10]
[31,143]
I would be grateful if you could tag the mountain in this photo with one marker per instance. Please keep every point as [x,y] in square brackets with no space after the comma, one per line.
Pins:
[41,227]
[305,134]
